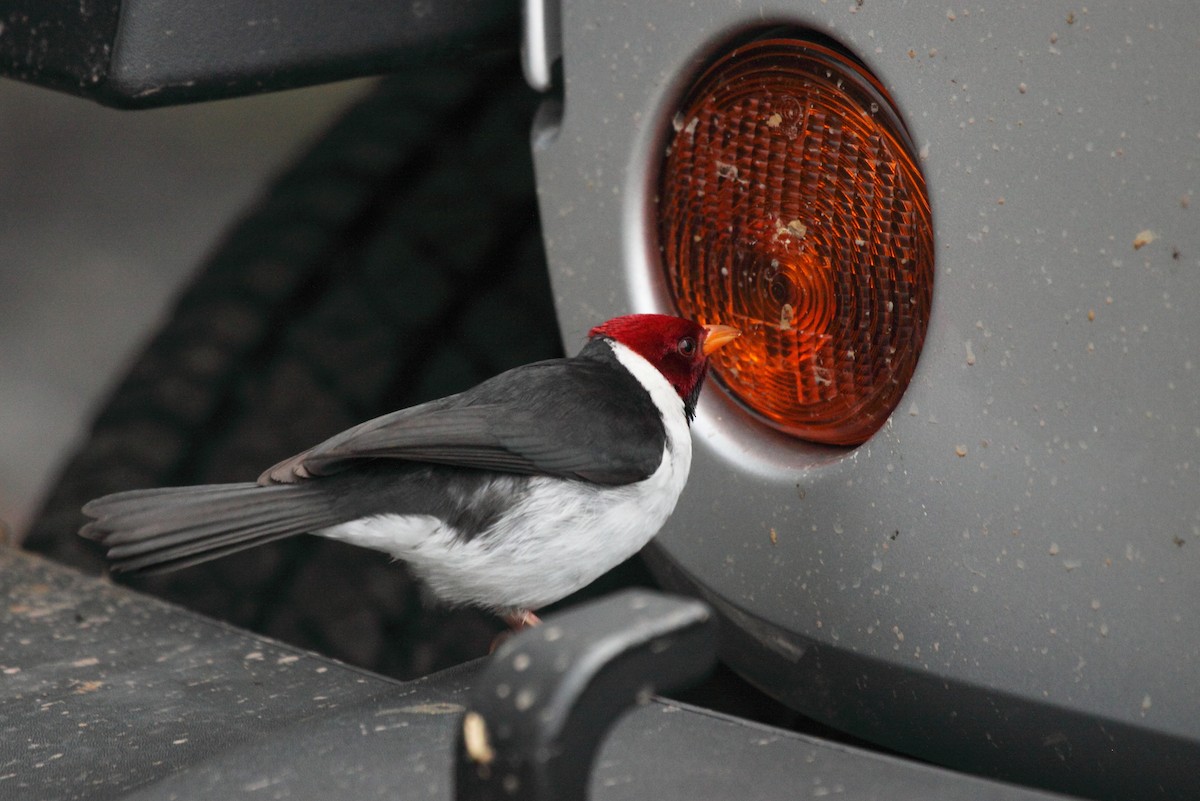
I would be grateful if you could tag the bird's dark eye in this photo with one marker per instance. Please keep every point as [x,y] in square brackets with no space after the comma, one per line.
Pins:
[686,346]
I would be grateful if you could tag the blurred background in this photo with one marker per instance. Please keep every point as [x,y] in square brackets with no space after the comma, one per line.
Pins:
[104,215]
[191,294]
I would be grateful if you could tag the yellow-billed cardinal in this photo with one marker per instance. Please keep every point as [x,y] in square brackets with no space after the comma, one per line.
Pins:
[510,495]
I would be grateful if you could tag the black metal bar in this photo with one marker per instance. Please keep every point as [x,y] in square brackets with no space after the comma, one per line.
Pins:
[537,716]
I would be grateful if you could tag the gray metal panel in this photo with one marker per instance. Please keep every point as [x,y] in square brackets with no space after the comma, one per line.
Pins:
[1057,562]
[107,694]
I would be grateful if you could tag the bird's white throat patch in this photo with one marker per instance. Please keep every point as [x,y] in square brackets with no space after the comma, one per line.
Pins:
[665,398]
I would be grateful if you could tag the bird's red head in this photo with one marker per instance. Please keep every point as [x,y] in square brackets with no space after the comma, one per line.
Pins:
[678,348]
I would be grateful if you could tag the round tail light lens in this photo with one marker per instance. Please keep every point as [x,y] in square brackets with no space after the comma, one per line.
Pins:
[791,207]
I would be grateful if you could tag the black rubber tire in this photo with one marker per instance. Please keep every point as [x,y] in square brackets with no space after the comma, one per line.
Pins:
[399,260]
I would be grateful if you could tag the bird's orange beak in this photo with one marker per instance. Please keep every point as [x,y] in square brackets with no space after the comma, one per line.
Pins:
[717,336]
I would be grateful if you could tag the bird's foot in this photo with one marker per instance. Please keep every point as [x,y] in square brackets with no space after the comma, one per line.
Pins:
[516,621]
[522,619]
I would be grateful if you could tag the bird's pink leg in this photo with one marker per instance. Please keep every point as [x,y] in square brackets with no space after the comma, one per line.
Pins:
[521,620]
[516,621]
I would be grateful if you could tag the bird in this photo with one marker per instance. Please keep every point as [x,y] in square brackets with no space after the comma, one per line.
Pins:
[507,496]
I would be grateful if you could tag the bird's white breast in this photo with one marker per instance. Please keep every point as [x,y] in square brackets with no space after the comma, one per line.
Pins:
[561,536]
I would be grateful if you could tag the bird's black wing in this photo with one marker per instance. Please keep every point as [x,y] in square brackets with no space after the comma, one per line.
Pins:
[585,417]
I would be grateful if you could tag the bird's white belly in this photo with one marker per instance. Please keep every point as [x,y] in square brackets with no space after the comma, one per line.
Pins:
[560,537]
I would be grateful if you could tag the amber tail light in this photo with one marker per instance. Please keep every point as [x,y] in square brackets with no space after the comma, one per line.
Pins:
[790,205]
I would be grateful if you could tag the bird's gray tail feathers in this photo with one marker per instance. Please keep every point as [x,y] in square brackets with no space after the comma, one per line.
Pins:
[156,530]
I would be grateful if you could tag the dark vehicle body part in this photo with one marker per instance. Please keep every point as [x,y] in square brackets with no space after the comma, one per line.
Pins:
[545,700]
[108,694]
[146,53]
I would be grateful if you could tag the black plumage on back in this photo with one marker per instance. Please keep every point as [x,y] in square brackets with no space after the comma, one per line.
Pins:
[515,422]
